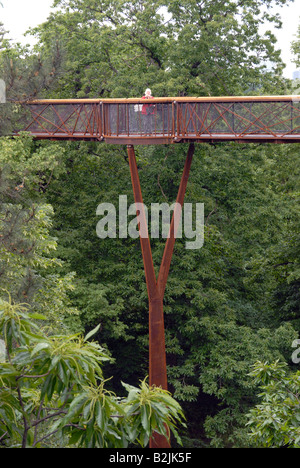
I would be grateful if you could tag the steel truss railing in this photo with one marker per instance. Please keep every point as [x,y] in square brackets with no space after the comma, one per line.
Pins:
[170,120]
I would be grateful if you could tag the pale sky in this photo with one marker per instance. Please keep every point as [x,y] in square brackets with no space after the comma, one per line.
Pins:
[19,15]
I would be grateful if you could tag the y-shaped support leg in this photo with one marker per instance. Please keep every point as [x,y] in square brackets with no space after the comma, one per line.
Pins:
[156,289]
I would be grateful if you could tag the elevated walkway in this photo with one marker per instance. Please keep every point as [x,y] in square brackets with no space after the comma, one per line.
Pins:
[261,119]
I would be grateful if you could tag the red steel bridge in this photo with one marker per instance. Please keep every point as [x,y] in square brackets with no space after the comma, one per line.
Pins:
[259,119]
[171,120]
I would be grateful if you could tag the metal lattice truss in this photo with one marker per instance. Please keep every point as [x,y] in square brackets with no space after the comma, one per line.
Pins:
[167,120]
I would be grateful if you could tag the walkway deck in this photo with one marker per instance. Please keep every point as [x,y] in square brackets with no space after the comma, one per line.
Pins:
[274,119]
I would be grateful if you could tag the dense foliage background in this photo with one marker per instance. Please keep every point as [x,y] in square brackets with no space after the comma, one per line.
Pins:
[228,305]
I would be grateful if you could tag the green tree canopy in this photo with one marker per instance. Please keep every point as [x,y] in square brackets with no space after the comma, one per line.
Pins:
[117,49]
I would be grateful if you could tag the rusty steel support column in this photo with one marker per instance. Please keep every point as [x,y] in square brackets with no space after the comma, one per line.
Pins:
[156,289]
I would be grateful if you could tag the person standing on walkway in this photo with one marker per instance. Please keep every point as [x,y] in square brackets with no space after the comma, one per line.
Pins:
[148,112]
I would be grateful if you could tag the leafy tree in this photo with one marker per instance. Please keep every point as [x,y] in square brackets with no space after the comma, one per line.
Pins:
[276,268]
[178,48]
[275,420]
[220,46]
[52,386]
[26,75]
[296,48]
[27,263]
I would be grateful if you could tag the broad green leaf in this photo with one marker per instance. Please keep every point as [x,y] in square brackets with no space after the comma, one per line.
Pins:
[92,332]
[39,347]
